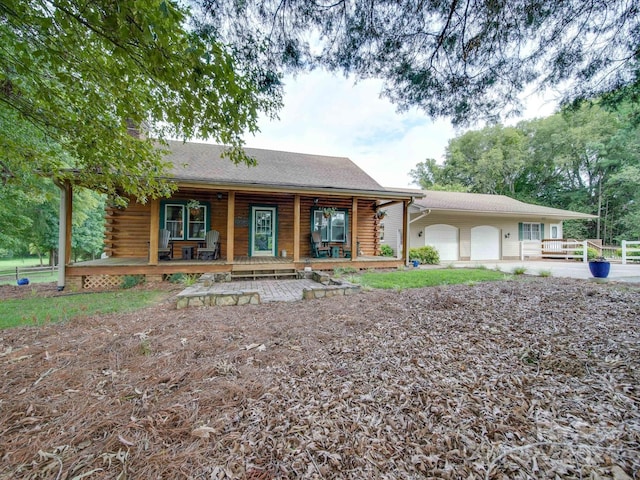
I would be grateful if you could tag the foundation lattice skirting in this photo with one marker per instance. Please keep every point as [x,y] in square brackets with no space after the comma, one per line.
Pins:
[101,281]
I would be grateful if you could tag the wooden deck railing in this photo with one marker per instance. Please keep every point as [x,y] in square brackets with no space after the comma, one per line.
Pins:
[578,250]
[554,248]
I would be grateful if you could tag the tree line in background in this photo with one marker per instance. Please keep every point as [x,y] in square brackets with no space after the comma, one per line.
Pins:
[29,219]
[585,158]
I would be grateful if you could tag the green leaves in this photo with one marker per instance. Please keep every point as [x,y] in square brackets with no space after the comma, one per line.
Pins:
[584,158]
[76,74]
[463,60]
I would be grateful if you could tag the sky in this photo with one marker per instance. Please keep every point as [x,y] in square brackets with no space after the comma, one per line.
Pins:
[328,114]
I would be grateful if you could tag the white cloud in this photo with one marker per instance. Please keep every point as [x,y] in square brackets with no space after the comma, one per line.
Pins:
[330,115]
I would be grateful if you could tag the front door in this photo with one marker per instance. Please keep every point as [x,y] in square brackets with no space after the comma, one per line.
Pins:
[263,231]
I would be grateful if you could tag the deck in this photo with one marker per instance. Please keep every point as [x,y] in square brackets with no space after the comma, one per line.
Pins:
[109,271]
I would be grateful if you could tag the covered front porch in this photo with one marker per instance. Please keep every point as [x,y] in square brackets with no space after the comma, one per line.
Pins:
[109,272]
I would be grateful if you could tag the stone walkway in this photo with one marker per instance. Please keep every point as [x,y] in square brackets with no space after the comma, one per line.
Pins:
[269,290]
[209,292]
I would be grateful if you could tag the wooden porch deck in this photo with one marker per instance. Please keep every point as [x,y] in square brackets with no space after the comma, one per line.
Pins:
[118,267]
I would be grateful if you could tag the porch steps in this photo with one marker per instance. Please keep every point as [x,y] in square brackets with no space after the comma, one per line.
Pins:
[255,274]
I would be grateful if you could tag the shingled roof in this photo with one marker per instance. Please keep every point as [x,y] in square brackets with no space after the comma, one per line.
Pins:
[489,204]
[203,163]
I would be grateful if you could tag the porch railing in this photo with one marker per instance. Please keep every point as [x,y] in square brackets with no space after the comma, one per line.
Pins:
[565,249]
[578,250]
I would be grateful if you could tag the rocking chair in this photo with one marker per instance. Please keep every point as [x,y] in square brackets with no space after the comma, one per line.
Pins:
[165,247]
[318,249]
[212,250]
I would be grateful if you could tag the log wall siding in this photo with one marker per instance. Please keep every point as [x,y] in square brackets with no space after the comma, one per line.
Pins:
[307,205]
[217,217]
[368,228]
[284,216]
[127,230]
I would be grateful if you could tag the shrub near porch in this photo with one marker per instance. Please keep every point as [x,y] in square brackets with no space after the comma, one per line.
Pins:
[425,255]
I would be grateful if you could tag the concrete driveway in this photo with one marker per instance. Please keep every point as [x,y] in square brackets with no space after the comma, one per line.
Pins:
[560,268]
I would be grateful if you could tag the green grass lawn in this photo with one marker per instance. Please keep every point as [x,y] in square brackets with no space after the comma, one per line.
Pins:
[36,310]
[426,278]
[6,263]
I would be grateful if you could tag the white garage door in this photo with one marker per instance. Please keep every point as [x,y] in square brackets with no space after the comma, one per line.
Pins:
[485,243]
[445,239]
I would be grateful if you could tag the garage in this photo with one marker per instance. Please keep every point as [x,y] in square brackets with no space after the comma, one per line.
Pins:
[485,243]
[443,238]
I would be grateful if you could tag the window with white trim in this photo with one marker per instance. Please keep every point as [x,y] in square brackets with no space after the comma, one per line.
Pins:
[531,231]
[332,228]
[184,223]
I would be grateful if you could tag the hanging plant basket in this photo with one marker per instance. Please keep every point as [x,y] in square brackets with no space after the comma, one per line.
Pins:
[328,212]
[193,206]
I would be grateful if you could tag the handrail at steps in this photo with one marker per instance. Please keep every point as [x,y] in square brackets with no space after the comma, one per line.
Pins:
[595,246]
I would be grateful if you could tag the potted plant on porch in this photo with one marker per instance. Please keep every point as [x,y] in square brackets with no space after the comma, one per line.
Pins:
[328,212]
[599,267]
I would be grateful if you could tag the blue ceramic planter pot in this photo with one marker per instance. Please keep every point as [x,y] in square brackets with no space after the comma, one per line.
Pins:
[599,269]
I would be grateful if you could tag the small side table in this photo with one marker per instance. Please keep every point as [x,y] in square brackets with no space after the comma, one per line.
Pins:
[335,252]
[187,253]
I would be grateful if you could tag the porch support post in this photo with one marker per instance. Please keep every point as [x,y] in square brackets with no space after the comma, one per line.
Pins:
[354,228]
[231,214]
[154,229]
[296,228]
[405,231]
[68,193]
[64,230]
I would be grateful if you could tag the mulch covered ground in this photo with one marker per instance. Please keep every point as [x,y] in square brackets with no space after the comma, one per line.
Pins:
[532,378]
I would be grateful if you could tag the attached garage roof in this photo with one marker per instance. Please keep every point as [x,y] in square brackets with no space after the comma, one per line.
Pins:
[490,204]
[203,163]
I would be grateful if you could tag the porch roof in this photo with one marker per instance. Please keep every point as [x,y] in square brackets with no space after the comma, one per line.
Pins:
[201,163]
[488,204]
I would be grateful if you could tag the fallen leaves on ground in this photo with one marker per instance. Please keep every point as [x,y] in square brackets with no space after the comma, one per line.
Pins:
[531,378]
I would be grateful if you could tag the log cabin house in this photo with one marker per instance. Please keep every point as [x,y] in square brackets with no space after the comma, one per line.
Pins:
[265,216]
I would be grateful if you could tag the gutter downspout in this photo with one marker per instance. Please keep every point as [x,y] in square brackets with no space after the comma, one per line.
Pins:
[62,231]
[422,215]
